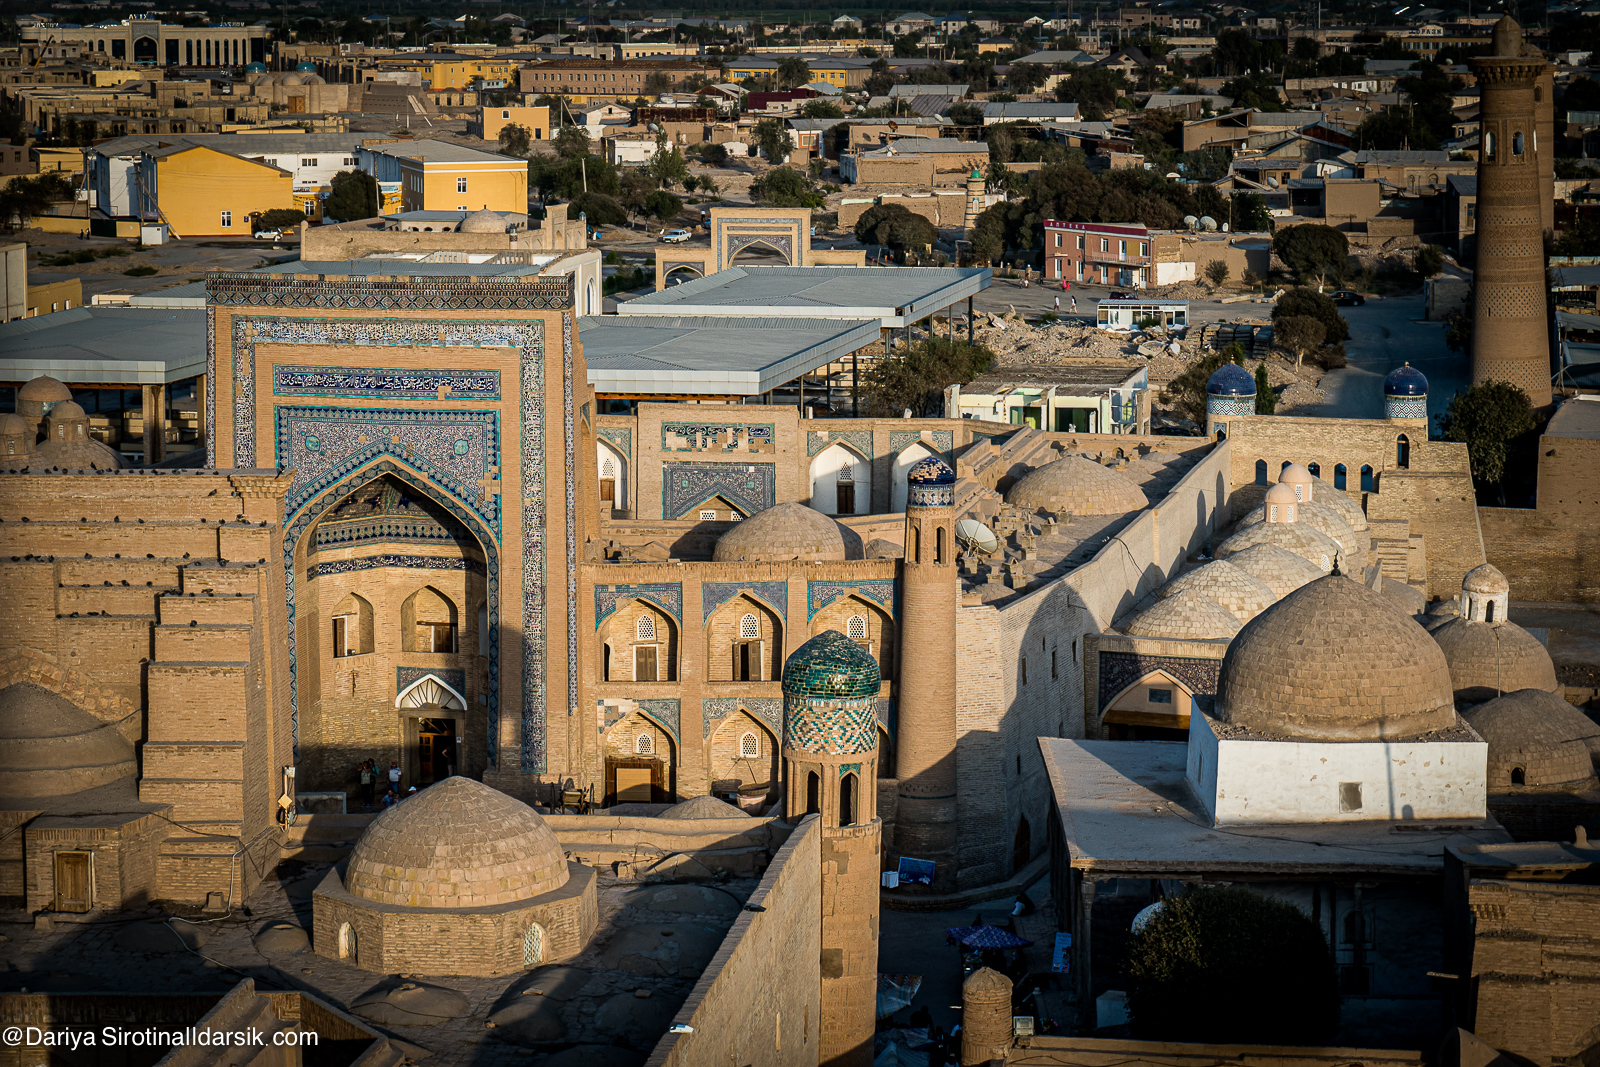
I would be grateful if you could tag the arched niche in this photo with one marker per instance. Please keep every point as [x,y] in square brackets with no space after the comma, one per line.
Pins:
[744,757]
[841,481]
[612,468]
[744,642]
[638,643]
[881,633]
[1149,709]
[428,622]
[904,460]
[641,759]
[351,621]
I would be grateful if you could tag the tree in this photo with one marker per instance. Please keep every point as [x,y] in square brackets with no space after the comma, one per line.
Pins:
[1487,418]
[515,140]
[896,227]
[785,187]
[1095,89]
[598,209]
[353,194]
[667,166]
[1303,301]
[662,205]
[966,113]
[1299,334]
[714,155]
[917,376]
[1229,966]
[1266,399]
[1026,77]
[280,218]
[1187,392]
[1429,260]
[793,73]
[1316,253]
[1250,212]
[1458,326]
[1258,90]
[821,108]
[571,142]
[772,137]
[658,82]
[26,197]
[1216,272]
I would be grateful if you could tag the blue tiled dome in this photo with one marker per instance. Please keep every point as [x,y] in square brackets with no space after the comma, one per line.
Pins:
[255,68]
[1231,379]
[306,67]
[831,666]
[1405,381]
[931,471]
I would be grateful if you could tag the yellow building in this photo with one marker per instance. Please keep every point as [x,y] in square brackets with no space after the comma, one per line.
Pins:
[440,176]
[201,192]
[458,72]
[846,72]
[536,120]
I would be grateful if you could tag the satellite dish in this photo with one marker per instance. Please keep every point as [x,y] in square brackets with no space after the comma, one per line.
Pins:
[1191,221]
[1207,222]
[1272,183]
[653,128]
[1224,227]
[1174,175]
[1141,920]
[975,535]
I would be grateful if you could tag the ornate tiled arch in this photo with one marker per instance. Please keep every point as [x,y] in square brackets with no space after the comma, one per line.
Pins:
[774,595]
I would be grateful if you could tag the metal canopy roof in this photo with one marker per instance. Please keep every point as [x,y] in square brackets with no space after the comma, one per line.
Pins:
[895,296]
[713,355]
[106,346]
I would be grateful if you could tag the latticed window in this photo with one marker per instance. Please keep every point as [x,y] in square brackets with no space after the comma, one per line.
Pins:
[856,628]
[749,746]
[749,628]
[645,745]
[646,628]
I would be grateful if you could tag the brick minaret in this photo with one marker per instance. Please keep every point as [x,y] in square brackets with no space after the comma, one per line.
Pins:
[830,768]
[975,186]
[1510,334]
[1544,124]
[925,736]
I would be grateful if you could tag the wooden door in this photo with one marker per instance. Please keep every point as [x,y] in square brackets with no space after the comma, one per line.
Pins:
[74,881]
[845,498]
[633,785]
[608,490]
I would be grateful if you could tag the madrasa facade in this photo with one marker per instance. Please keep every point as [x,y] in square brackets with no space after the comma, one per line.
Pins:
[416,540]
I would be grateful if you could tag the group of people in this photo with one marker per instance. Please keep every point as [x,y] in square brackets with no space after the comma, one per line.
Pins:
[370,776]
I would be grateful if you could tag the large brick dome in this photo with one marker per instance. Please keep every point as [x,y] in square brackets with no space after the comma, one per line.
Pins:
[1242,593]
[1325,520]
[1188,614]
[1282,570]
[1074,484]
[1335,661]
[1302,539]
[783,532]
[1538,734]
[458,844]
[1488,660]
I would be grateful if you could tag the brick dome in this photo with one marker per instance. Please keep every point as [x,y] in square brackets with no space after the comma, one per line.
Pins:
[1242,593]
[1187,615]
[484,221]
[1324,519]
[1487,579]
[783,532]
[1335,661]
[457,844]
[1073,484]
[1302,539]
[830,696]
[1324,493]
[1534,732]
[1283,571]
[49,746]
[45,390]
[1488,660]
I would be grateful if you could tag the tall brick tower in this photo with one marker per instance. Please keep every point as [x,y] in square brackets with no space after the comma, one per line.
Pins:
[830,768]
[1544,126]
[1510,335]
[975,186]
[925,736]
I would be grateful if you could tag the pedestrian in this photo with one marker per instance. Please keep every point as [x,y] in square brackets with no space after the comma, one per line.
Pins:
[389,800]
[1058,303]
[366,785]
[1073,302]
[394,776]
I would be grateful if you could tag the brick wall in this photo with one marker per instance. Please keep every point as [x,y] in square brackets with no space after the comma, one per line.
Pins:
[1552,553]
[758,1003]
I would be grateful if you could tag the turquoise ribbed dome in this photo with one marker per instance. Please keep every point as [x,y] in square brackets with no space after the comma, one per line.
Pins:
[831,665]
[830,697]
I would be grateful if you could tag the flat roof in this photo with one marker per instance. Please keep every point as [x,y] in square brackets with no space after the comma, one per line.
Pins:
[894,296]
[106,346]
[712,355]
[400,268]
[1126,806]
[1042,376]
[1578,417]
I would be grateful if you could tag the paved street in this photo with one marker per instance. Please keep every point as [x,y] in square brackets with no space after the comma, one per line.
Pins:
[1385,333]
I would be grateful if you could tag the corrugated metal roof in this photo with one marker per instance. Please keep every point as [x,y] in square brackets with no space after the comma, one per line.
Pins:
[106,345]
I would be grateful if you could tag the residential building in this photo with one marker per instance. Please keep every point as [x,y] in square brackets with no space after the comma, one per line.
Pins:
[910,22]
[844,72]
[601,80]
[536,120]
[996,45]
[1057,399]
[1461,213]
[440,176]
[1097,253]
[1029,112]
[203,192]
[1410,169]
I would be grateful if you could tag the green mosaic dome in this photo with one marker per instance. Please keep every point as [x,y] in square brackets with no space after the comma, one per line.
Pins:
[830,665]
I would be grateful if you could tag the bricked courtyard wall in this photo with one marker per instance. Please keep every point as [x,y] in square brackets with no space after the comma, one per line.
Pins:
[758,1002]
[1552,552]
[1535,961]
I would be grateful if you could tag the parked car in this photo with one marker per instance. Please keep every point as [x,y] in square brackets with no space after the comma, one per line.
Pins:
[676,237]
[1119,296]
[269,235]
[1348,298]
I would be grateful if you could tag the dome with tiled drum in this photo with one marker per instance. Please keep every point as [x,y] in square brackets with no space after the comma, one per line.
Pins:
[930,483]
[782,532]
[1077,486]
[1283,571]
[1303,540]
[1231,390]
[1533,732]
[1405,394]
[830,697]
[1187,615]
[457,844]
[1335,661]
[1243,594]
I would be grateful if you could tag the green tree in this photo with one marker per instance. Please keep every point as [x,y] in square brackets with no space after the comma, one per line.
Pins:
[1258,90]
[571,142]
[1488,418]
[1250,212]
[713,155]
[785,187]
[1317,254]
[1266,399]
[599,209]
[1217,272]
[1026,77]
[662,205]
[280,218]
[916,376]
[893,225]
[1229,966]
[27,197]
[353,194]
[966,113]
[821,108]
[1308,302]
[1429,260]
[1187,392]
[515,140]
[1299,334]
[793,73]
[1094,89]
[772,137]
[667,166]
